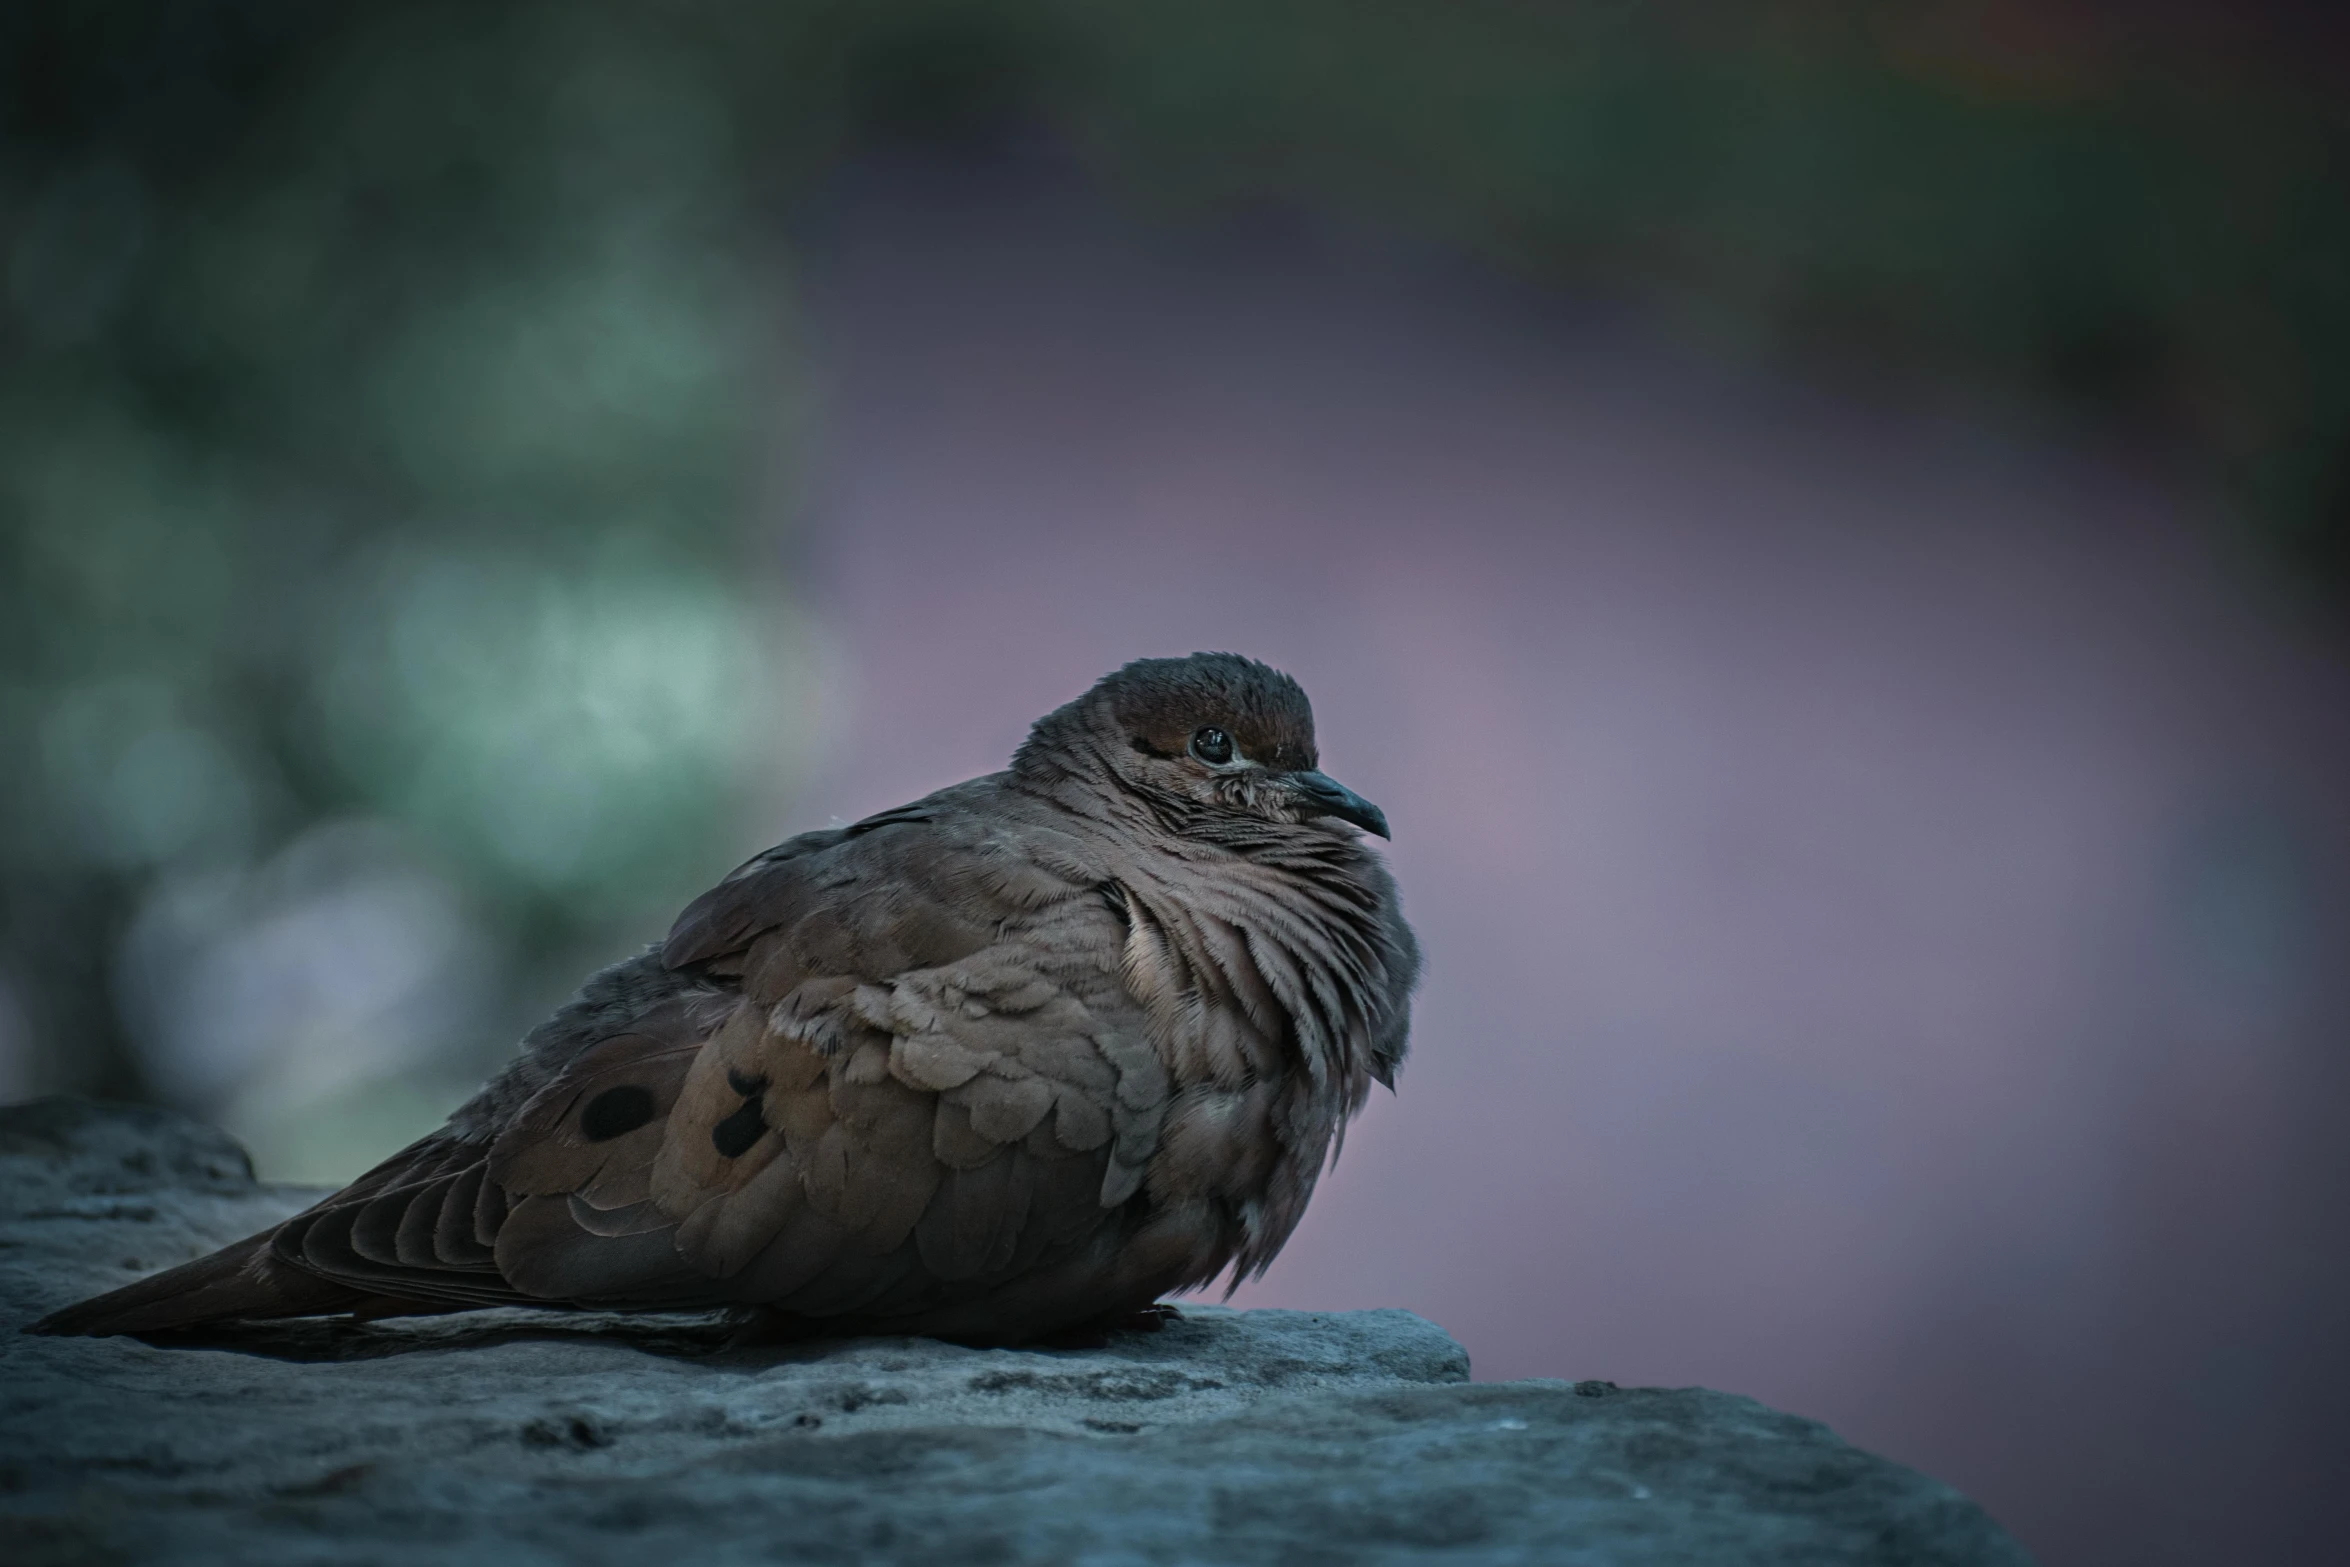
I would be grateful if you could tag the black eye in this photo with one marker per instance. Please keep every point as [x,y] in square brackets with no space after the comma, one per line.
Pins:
[1212,746]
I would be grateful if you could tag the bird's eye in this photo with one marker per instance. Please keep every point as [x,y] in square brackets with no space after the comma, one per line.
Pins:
[1212,746]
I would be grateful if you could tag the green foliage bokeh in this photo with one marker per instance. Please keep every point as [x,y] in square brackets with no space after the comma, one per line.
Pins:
[371,443]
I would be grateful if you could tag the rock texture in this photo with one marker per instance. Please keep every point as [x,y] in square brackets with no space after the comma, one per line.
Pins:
[515,1437]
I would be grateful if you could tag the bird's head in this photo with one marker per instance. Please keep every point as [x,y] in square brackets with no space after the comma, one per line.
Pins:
[1215,735]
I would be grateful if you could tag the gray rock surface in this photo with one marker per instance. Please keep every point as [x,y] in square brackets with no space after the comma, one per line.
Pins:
[515,1437]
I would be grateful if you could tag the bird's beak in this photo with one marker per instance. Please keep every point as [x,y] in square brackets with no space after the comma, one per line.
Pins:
[1324,795]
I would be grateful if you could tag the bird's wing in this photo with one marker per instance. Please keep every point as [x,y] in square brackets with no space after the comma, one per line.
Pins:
[905,1106]
[875,1147]
[428,1223]
[881,1070]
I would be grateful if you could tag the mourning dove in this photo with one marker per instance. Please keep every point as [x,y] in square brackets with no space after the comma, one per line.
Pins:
[1008,1062]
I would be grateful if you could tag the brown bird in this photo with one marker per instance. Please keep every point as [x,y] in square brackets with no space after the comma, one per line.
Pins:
[1011,1061]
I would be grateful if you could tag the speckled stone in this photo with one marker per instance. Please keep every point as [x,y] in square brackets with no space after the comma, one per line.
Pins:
[512,1437]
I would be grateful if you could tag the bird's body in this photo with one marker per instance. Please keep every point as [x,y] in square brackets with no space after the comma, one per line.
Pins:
[1021,1056]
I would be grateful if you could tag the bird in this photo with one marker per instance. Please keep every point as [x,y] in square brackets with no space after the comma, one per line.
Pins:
[1010,1062]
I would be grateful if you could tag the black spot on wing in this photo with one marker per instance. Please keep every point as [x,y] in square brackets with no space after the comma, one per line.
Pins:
[616,1111]
[733,1136]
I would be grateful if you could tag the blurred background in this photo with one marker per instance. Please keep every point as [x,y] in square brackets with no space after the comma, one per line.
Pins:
[1826,526]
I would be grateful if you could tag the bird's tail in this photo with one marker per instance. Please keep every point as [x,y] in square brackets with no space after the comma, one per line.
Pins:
[244,1280]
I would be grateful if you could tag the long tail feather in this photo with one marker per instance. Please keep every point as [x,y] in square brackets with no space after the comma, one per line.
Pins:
[244,1280]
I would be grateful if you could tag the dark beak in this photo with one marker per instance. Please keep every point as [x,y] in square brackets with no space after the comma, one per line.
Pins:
[1326,796]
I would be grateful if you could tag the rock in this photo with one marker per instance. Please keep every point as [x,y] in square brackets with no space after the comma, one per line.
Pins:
[519,1437]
